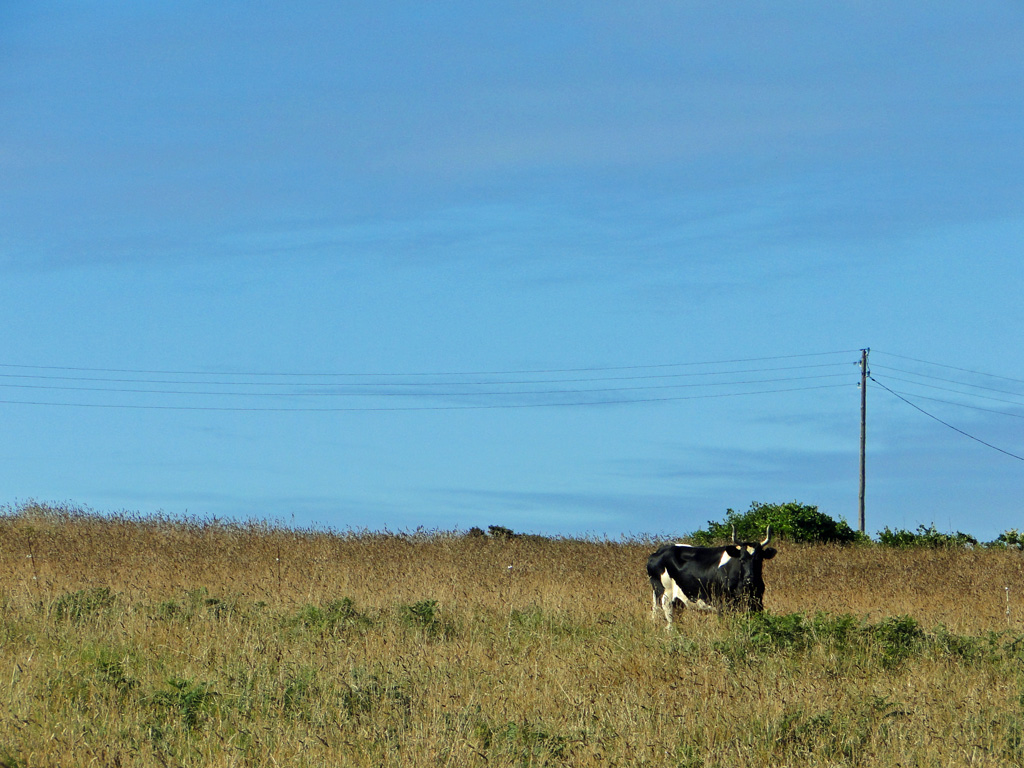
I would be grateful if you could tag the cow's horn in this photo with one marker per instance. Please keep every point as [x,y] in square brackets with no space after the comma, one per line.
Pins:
[767,537]
[734,534]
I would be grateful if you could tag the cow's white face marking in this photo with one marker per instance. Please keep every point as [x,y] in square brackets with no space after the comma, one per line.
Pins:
[725,559]
[751,550]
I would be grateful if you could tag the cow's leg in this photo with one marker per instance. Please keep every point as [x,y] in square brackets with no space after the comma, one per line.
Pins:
[657,593]
[668,596]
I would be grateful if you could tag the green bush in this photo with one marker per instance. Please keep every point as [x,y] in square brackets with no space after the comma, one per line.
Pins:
[425,616]
[791,522]
[889,643]
[900,638]
[76,606]
[925,537]
[332,616]
[183,701]
[1011,539]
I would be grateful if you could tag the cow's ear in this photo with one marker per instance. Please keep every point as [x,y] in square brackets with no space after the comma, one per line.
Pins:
[768,554]
[733,551]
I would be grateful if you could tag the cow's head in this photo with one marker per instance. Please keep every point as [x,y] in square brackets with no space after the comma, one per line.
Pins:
[747,558]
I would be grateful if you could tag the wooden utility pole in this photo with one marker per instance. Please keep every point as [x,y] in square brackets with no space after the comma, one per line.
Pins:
[863,430]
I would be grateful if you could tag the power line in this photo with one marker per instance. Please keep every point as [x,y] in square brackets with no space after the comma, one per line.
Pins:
[523,386]
[950,381]
[180,382]
[954,391]
[952,367]
[961,405]
[422,407]
[944,423]
[287,374]
[473,393]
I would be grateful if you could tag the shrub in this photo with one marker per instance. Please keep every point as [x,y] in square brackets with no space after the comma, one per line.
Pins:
[925,537]
[1011,539]
[336,614]
[425,617]
[185,701]
[900,637]
[76,606]
[792,522]
[501,532]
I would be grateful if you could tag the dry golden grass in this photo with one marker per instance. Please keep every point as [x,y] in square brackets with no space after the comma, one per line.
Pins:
[151,642]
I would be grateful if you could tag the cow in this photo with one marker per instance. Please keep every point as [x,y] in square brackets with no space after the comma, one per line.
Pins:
[709,578]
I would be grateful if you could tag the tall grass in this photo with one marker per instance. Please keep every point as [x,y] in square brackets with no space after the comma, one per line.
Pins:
[155,642]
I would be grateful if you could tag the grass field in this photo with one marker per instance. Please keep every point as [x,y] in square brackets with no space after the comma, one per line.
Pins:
[152,642]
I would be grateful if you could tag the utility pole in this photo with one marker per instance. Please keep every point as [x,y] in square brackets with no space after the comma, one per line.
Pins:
[863,430]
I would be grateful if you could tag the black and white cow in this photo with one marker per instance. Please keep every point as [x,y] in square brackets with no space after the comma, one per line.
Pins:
[709,578]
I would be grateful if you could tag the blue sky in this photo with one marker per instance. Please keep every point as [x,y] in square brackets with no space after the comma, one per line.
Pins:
[578,269]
